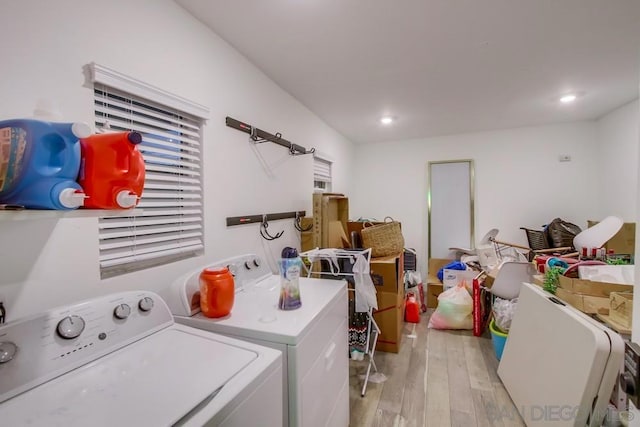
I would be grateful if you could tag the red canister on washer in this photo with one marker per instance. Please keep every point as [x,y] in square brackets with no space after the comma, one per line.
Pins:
[216,292]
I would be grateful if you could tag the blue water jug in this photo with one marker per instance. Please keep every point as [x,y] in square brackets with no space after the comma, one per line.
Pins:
[39,163]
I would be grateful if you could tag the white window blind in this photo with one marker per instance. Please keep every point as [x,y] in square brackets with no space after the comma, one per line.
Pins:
[321,174]
[167,224]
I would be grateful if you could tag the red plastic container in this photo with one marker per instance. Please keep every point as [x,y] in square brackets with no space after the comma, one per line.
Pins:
[217,292]
[111,170]
[411,309]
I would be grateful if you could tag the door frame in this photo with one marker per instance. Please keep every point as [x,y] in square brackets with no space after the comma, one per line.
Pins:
[471,199]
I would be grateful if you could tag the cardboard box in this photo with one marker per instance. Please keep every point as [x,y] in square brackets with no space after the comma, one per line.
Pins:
[591,288]
[621,329]
[588,296]
[329,209]
[624,242]
[306,237]
[337,238]
[435,264]
[390,319]
[621,308]
[434,285]
[586,303]
[433,290]
[387,273]
[538,279]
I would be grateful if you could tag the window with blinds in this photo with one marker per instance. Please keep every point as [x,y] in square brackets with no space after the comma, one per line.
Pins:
[167,224]
[321,174]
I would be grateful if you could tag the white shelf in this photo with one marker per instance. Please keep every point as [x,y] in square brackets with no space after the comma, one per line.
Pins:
[38,214]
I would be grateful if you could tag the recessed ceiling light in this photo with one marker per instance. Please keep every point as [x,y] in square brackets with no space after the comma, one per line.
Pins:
[568,98]
[386,120]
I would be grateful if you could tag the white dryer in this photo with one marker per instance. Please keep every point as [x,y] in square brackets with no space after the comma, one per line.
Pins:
[120,360]
[313,338]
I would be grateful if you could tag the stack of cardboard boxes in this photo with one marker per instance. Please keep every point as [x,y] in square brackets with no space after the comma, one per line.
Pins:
[327,227]
[330,217]
[387,275]
[624,241]
[610,302]
[434,285]
[330,228]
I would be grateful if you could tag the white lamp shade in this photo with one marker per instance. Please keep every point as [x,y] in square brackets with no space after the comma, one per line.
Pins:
[599,234]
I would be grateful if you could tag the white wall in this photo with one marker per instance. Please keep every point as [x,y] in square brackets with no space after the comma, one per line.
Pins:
[44,47]
[617,153]
[618,160]
[519,180]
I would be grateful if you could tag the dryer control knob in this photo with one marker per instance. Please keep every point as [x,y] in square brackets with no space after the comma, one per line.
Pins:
[7,351]
[146,304]
[256,262]
[70,327]
[122,311]
[248,265]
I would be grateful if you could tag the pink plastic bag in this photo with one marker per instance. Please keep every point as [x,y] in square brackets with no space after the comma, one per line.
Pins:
[455,308]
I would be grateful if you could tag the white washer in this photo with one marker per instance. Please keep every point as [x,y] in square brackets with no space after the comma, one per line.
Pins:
[120,360]
[312,338]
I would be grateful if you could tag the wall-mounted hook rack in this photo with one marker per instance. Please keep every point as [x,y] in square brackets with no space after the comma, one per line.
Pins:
[249,219]
[259,136]
[264,232]
[298,224]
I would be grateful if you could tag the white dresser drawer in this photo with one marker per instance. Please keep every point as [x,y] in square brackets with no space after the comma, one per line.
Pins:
[319,367]
[323,383]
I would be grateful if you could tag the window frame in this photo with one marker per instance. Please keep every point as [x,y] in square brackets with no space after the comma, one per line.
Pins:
[102,77]
[322,180]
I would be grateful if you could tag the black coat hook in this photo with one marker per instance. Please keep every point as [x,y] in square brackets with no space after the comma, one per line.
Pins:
[298,224]
[264,233]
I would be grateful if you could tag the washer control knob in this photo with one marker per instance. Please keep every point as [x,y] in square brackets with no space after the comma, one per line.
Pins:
[146,304]
[7,351]
[256,262]
[122,311]
[70,327]
[248,265]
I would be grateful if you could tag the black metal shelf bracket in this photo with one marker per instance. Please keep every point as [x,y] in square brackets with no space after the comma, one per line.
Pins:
[259,136]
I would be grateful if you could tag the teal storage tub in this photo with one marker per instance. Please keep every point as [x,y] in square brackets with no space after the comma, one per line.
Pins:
[498,338]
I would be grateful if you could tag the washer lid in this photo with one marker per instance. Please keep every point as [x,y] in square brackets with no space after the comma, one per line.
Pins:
[155,381]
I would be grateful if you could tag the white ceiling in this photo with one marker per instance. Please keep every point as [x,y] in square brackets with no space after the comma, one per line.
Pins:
[439,66]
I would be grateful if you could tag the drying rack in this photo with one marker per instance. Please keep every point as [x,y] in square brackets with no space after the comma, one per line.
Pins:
[373,331]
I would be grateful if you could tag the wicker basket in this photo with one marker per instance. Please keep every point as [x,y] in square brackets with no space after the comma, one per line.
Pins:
[384,239]
[537,239]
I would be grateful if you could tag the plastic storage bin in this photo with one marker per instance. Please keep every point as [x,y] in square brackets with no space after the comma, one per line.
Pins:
[498,338]
[39,163]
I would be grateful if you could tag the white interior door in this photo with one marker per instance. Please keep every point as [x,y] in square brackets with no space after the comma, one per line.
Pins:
[451,207]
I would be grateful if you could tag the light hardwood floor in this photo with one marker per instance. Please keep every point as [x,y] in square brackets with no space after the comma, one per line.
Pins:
[438,378]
